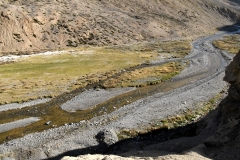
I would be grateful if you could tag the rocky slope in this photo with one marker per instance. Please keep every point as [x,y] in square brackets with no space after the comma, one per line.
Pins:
[32,25]
[225,142]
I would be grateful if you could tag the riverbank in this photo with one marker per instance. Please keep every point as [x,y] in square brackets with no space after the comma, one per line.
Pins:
[199,82]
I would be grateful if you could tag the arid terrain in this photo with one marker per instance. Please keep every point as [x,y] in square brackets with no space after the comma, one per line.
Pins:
[119,79]
[32,26]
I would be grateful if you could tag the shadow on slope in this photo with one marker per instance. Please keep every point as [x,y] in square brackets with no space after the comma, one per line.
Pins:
[230,28]
[235,1]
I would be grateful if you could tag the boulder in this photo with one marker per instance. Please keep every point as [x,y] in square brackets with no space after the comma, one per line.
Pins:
[107,137]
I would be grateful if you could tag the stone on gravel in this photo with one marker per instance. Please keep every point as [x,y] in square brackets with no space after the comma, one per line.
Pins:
[107,136]
[47,123]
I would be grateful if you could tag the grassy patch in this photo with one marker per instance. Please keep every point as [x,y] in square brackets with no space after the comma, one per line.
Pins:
[49,76]
[177,49]
[229,43]
[127,133]
[145,76]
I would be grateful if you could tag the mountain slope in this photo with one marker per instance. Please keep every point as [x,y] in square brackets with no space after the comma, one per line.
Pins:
[33,25]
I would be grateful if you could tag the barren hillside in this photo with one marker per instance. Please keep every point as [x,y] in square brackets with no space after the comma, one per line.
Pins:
[32,25]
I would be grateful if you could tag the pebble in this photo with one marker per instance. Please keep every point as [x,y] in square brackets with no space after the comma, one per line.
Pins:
[184,102]
[47,123]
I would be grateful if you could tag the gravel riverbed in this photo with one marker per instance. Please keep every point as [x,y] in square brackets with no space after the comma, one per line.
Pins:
[91,98]
[10,106]
[202,80]
[16,124]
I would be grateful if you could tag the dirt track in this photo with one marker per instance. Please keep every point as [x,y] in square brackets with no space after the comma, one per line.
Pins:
[198,82]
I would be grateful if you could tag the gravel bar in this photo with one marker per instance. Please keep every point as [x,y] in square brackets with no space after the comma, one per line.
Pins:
[10,106]
[16,124]
[91,98]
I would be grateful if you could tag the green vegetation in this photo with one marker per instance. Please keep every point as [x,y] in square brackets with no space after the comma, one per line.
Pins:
[175,49]
[49,76]
[229,43]
[127,133]
[145,76]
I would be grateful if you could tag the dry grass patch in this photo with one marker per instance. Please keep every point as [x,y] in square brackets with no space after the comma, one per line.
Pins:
[229,43]
[144,76]
[46,76]
[177,49]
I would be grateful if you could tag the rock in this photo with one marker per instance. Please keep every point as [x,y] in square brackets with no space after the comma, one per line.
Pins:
[47,123]
[233,77]
[216,141]
[107,158]
[107,136]
[184,102]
